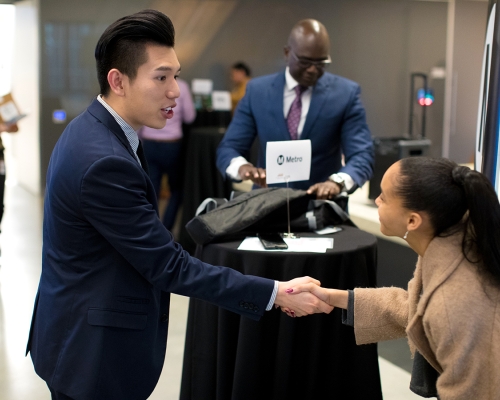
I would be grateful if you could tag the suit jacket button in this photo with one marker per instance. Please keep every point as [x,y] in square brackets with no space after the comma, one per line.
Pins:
[164,318]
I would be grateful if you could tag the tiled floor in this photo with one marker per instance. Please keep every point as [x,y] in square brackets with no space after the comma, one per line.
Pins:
[20,242]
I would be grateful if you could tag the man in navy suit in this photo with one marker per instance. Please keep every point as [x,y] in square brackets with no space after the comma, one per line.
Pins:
[99,326]
[330,114]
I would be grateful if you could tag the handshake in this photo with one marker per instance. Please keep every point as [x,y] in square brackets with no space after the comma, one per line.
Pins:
[303,296]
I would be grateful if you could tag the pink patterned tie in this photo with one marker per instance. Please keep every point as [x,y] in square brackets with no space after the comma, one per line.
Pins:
[293,118]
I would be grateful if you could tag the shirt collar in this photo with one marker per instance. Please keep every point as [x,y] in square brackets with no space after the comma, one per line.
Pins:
[290,81]
[130,133]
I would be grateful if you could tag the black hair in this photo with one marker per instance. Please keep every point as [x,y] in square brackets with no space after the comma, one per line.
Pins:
[242,67]
[455,197]
[123,43]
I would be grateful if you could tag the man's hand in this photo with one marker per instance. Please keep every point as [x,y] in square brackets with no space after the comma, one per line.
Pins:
[325,190]
[301,303]
[256,175]
[11,128]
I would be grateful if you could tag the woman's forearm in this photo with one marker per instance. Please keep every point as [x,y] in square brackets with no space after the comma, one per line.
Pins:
[337,298]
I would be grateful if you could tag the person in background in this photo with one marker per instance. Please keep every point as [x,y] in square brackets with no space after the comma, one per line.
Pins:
[163,149]
[100,319]
[10,128]
[240,75]
[450,216]
[302,102]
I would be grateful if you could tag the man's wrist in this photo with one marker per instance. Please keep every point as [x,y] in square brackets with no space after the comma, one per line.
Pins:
[339,181]
[349,183]
[274,294]
[234,167]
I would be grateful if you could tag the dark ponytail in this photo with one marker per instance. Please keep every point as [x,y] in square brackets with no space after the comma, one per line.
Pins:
[455,197]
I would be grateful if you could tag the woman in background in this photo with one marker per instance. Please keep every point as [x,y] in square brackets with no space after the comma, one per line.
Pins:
[10,128]
[450,216]
[240,75]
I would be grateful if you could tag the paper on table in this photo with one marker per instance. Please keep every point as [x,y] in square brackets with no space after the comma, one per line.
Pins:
[302,245]
[328,229]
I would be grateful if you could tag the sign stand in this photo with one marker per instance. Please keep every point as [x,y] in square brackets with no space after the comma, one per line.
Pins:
[288,234]
[288,161]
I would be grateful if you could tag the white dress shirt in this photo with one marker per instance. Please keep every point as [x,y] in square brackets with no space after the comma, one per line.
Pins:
[129,132]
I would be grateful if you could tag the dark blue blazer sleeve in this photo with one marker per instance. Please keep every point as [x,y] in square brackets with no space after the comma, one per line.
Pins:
[357,145]
[114,201]
[240,134]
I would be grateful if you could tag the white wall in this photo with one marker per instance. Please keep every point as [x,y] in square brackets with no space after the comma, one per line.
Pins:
[23,149]
[7,12]
[7,26]
[468,45]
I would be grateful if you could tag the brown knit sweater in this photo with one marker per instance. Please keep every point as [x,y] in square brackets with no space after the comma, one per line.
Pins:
[450,313]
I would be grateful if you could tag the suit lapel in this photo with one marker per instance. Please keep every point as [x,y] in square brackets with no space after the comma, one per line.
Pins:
[318,99]
[103,115]
[276,105]
[142,157]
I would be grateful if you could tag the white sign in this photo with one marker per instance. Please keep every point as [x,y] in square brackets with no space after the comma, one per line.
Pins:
[221,100]
[201,86]
[288,161]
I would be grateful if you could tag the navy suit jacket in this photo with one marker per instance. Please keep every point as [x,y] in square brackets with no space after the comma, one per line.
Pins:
[335,124]
[99,326]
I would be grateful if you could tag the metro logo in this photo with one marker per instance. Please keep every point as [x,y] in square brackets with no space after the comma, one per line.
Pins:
[294,159]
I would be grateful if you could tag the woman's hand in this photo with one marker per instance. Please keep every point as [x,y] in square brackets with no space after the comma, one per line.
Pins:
[303,303]
[332,297]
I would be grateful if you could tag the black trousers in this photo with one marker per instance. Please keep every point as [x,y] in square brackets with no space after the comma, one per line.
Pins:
[58,395]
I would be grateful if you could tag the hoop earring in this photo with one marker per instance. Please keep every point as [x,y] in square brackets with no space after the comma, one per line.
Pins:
[406,235]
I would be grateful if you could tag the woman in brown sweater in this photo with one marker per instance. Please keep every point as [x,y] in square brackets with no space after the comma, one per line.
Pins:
[450,216]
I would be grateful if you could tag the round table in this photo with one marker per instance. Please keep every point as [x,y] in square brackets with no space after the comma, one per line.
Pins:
[231,357]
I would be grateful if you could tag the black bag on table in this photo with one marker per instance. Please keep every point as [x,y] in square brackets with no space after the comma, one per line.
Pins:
[265,210]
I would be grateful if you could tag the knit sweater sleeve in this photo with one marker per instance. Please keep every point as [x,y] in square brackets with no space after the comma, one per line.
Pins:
[380,314]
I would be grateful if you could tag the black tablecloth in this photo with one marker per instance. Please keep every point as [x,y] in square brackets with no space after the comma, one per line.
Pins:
[218,119]
[231,357]
[201,177]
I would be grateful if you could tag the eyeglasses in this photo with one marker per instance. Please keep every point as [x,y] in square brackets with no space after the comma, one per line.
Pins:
[304,63]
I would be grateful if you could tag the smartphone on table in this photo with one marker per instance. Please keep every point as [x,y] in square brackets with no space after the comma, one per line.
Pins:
[272,241]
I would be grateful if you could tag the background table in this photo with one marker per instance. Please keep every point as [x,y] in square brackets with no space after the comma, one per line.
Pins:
[231,357]
[201,177]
